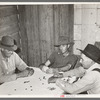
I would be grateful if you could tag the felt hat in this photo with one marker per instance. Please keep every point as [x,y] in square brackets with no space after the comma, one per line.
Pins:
[8,43]
[63,40]
[92,52]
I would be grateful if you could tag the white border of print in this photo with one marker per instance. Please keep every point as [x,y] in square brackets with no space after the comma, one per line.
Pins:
[50,3]
[44,3]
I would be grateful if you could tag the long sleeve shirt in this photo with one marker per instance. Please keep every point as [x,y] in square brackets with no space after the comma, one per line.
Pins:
[8,66]
[90,82]
[78,72]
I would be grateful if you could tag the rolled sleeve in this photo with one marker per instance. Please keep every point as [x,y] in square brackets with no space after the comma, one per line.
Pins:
[19,63]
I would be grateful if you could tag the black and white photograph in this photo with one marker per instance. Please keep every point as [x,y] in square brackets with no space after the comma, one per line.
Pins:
[49,50]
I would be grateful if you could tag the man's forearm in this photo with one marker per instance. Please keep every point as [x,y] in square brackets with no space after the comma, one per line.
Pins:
[22,74]
[7,78]
[65,68]
[12,77]
[27,72]
[75,72]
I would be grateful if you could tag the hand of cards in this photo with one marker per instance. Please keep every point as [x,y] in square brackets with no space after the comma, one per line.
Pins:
[70,79]
[53,78]
[66,79]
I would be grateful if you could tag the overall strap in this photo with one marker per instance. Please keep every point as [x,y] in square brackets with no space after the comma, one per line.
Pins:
[96,69]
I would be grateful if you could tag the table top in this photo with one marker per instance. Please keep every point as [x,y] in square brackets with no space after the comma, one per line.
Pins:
[34,86]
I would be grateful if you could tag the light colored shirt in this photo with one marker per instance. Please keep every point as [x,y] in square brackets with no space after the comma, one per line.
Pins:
[90,82]
[78,72]
[8,66]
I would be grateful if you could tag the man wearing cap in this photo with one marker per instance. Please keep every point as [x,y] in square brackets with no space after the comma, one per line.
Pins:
[61,60]
[89,73]
[10,61]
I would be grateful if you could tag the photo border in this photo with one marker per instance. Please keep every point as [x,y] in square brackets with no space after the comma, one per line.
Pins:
[45,1]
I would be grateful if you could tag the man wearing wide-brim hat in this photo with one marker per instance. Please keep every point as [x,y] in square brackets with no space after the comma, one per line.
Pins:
[89,73]
[10,61]
[61,60]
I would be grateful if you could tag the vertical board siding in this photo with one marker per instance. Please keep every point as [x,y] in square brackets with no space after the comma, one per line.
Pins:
[30,34]
[36,38]
[23,33]
[9,22]
[56,23]
[46,30]
[43,30]
[64,25]
[9,29]
[7,11]
[70,20]
[33,35]
[70,24]
[41,26]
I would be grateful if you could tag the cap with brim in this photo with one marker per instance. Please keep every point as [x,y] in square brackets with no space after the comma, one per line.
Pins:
[8,43]
[11,48]
[63,40]
[92,52]
[57,45]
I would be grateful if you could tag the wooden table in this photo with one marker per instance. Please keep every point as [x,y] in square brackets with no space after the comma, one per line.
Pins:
[34,86]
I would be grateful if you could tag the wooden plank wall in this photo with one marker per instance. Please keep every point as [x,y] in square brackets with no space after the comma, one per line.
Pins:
[23,33]
[40,27]
[9,22]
